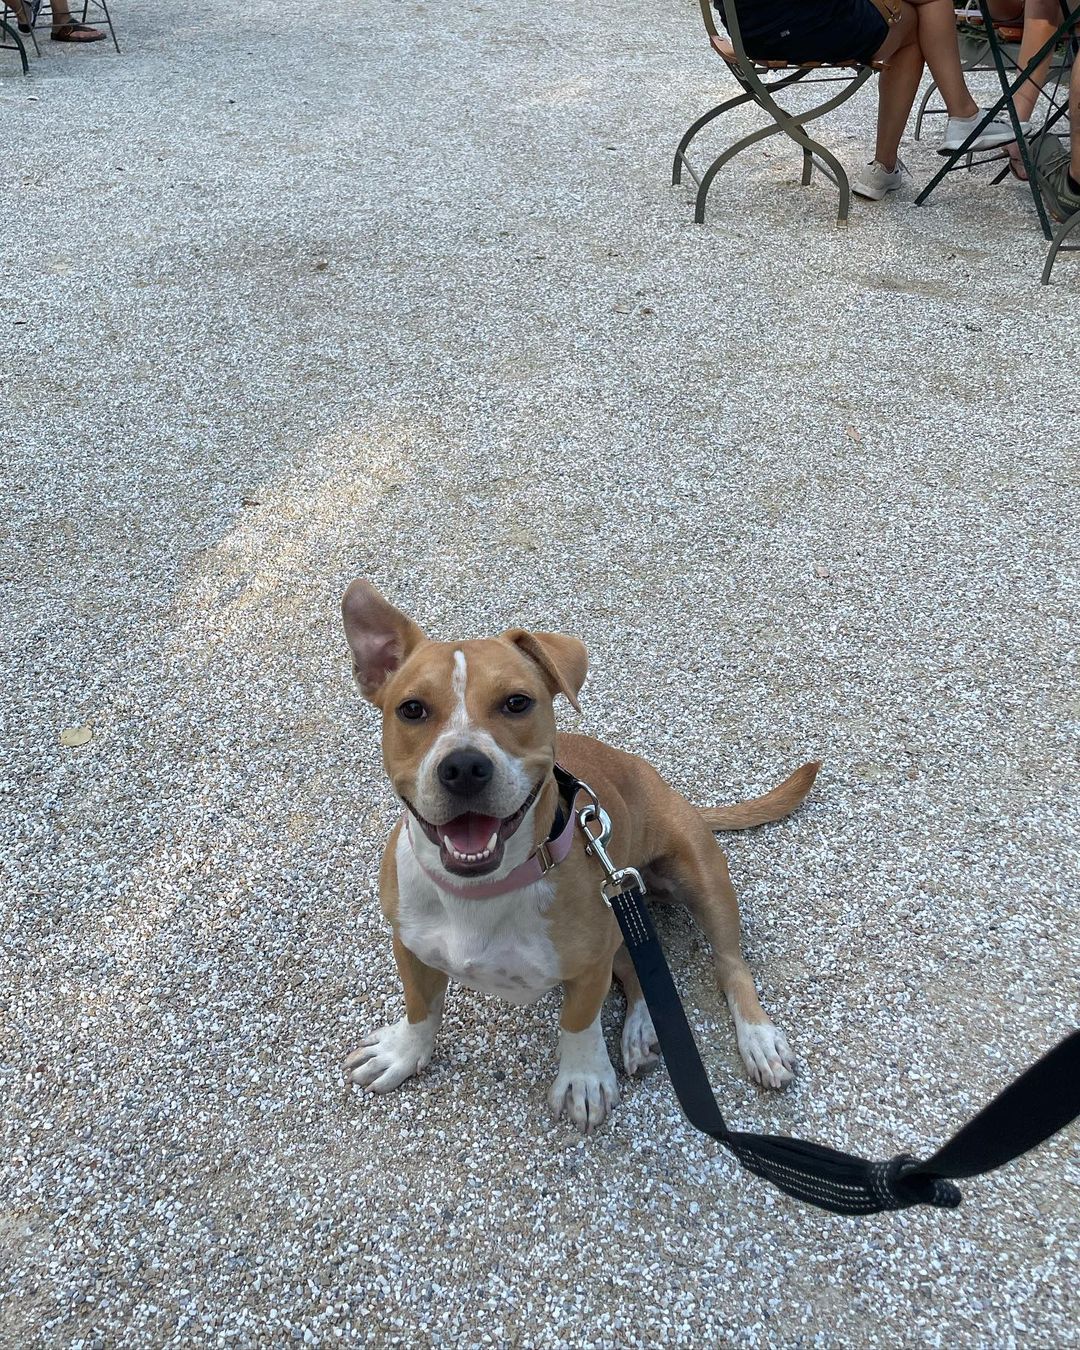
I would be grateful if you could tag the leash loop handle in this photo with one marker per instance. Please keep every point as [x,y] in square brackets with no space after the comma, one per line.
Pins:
[1034,1106]
[1015,1121]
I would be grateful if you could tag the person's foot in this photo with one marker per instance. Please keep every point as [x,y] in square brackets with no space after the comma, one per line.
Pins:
[1016,163]
[875,182]
[997,132]
[29,15]
[76,32]
[1060,191]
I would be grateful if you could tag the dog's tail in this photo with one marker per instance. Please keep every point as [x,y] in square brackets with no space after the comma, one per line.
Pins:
[774,805]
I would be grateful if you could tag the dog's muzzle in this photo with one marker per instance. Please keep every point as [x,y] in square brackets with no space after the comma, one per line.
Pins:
[472,844]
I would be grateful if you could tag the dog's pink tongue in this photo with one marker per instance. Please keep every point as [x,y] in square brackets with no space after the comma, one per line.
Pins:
[470,833]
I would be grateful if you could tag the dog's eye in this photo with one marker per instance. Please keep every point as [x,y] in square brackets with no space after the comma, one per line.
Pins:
[516,704]
[412,710]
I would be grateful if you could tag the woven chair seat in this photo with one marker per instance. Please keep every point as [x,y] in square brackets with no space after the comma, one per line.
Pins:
[1007,32]
[727,51]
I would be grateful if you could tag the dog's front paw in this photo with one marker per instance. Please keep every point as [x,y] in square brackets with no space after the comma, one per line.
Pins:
[585,1088]
[639,1043]
[389,1056]
[587,1098]
[766,1054]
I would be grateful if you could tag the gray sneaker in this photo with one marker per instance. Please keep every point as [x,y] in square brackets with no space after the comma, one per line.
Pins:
[1052,175]
[958,129]
[874,182]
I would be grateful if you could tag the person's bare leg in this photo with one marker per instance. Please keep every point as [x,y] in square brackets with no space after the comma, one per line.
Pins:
[1041,21]
[898,84]
[937,39]
[926,32]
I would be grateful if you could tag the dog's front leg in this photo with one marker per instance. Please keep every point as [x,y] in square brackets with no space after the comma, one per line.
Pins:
[388,1056]
[585,1085]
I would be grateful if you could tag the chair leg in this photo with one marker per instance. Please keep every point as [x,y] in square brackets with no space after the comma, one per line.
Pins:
[921,114]
[17,44]
[1073,223]
[694,128]
[840,178]
[794,127]
[719,162]
[103,6]
[108,20]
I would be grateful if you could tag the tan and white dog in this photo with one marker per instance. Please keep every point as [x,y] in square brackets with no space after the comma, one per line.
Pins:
[470,746]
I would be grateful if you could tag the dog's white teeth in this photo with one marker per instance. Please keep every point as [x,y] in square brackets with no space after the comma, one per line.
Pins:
[492,842]
[458,856]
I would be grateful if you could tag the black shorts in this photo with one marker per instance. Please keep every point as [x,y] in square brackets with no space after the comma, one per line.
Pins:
[810,30]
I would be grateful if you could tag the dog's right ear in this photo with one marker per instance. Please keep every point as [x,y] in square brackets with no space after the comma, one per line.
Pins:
[380,637]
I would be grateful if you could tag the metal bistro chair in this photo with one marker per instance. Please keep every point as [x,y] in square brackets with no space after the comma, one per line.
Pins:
[747,72]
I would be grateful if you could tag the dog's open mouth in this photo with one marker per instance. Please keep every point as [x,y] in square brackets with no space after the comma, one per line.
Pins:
[471,845]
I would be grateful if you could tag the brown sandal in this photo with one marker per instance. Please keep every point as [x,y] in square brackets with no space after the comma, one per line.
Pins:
[77,32]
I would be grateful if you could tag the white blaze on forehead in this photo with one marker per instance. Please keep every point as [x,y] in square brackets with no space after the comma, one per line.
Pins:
[459,719]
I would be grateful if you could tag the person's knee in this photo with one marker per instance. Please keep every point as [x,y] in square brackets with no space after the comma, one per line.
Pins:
[903,33]
[1049,11]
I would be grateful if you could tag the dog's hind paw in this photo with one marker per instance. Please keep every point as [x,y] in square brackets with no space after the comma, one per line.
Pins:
[387,1057]
[639,1044]
[766,1054]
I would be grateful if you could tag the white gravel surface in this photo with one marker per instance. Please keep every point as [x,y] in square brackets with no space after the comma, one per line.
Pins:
[401,289]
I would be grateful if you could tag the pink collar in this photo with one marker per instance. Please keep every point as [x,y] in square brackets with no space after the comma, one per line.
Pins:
[536,866]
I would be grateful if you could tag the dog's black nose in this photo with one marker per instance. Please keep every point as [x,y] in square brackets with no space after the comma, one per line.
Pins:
[464,772]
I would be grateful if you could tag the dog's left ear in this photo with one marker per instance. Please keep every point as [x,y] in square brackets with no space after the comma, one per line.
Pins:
[380,637]
[563,660]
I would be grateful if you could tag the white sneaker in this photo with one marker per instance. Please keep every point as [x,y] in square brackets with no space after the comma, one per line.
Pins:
[997,132]
[875,182]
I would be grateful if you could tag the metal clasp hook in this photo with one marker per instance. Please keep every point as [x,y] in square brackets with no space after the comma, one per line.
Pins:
[617,879]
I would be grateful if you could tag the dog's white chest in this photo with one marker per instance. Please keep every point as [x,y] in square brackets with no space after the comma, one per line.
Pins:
[500,945]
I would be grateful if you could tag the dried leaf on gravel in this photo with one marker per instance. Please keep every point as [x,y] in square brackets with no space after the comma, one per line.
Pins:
[72,736]
[820,570]
[855,435]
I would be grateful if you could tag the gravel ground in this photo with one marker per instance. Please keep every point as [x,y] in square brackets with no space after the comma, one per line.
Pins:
[403,291]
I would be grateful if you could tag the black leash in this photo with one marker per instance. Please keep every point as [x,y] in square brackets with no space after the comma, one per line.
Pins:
[1032,1108]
